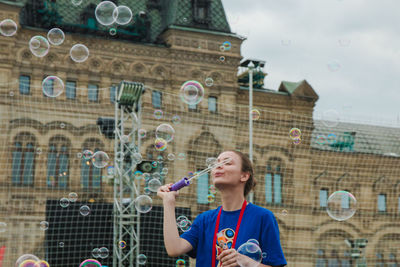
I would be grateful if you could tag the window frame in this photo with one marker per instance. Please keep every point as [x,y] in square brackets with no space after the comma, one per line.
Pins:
[28,85]
[157,93]
[66,89]
[91,86]
[216,104]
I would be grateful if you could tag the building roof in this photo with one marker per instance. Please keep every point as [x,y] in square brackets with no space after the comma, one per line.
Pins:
[152,17]
[353,137]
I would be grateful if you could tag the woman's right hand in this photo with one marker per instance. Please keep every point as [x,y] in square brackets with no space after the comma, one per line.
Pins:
[165,193]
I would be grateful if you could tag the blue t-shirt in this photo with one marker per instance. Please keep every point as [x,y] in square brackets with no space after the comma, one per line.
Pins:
[257,223]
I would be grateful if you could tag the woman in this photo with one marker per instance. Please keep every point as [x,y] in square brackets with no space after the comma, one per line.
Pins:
[234,223]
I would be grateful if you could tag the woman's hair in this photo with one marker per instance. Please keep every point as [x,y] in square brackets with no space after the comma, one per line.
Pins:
[247,166]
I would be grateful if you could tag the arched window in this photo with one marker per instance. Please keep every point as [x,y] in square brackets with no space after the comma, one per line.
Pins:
[379,260]
[90,175]
[23,160]
[273,182]
[333,261]
[392,260]
[58,163]
[321,262]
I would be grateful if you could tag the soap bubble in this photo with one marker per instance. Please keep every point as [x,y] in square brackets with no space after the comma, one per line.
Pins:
[61,244]
[255,114]
[122,244]
[192,92]
[180,220]
[44,225]
[210,198]
[331,138]
[341,205]
[122,15]
[160,144]
[52,86]
[212,189]
[227,45]
[294,133]
[264,255]
[154,184]
[95,253]
[330,118]
[158,114]
[250,250]
[56,36]
[90,263]
[185,225]
[209,81]
[79,53]
[39,46]
[84,210]
[211,161]
[64,202]
[103,252]
[8,27]
[255,241]
[143,203]
[142,133]
[42,263]
[106,13]
[113,31]
[181,156]
[164,171]
[165,131]
[222,58]
[137,158]
[297,141]
[176,119]
[26,257]
[180,262]
[100,159]
[3,227]
[171,156]
[320,139]
[72,196]
[141,259]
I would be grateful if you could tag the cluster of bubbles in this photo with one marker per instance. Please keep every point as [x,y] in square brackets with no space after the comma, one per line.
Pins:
[183,223]
[102,253]
[107,13]
[251,250]
[225,46]
[191,92]
[8,27]
[341,205]
[295,135]
[30,260]
[330,139]
[90,263]
[99,159]
[255,114]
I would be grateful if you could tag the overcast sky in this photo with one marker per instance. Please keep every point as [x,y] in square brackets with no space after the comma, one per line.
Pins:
[348,50]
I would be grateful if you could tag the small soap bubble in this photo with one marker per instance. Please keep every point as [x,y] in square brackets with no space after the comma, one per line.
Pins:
[330,118]
[164,171]
[142,133]
[160,144]
[227,45]
[294,133]
[255,114]
[95,253]
[284,212]
[191,92]
[264,255]
[209,81]
[143,203]
[141,259]
[64,202]
[180,263]
[296,141]
[84,210]
[222,48]
[39,46]
[180,219]
[120,156]
[176,119]
[341,205]
[110,170]
[106,13]
[222,58]
[138,175]
[210,198]
[79,53]
[61,244]
[154,164]
[171,156]
[44,225]
[38,151]
[165,131]
[100,159]
[87,154]
[72,196]
[212,189]
[8,27]
[113,31]
[56,36]
[52,86]
[122,244]
[103,252]
[331,138]
[181,156]
[28,259]
[122,15]
[90,263]
[158,114]
[186,225]
[320,139]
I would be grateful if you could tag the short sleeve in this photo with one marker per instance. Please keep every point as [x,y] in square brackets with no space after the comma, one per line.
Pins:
[192,236]
[271,243]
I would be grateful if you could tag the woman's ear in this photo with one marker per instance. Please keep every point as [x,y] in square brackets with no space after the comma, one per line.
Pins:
[244,177]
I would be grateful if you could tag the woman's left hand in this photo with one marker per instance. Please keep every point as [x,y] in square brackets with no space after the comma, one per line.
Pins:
[228,258]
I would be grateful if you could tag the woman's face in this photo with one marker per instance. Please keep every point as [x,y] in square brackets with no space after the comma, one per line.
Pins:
[230,173]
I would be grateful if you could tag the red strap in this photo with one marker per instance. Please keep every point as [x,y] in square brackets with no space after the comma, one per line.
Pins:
[217,227]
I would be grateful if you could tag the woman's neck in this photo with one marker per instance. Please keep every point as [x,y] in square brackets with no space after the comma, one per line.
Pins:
[232,200]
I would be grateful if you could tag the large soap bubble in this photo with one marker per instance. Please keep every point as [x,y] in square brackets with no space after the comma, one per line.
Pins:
[341,205]
[79,53]
[106,13]
[39,46]
[52,86]
[143,203]
[165,131]
[122,15]
[8,27]
[100,159]
[56,36]
[251,252]
[26,257]
[192,92]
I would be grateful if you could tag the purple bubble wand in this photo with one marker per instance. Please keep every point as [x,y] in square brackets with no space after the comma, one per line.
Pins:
[186,181]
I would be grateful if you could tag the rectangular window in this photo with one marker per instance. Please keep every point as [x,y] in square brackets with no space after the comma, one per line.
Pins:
[399,203]
[70,89]
[192,107]
[93,92]
[202,189]
[277,188]
[323,198]
[156,99]
[382,202]
[113,93]
[24,84]
[345,201]
[212,104]
[268,187]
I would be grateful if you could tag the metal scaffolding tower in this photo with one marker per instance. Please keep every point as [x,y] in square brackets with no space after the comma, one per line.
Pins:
[126,188]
